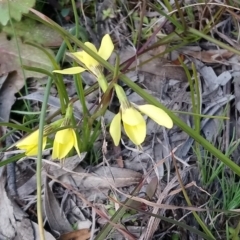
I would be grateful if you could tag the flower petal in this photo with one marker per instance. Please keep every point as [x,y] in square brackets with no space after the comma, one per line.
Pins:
[91,46]
[115,129]
[76,142]
[64,136]
[61,147]
[29,140]
[60,151]
[131,116]
[106,47]
[157,115]
[72,70]
[79,56]
[56,149]
[32,150]
[85,58]
[136,133]
[30,144]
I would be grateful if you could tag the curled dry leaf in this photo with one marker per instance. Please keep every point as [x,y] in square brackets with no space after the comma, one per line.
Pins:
[82,234]
[56,218]
[7,218]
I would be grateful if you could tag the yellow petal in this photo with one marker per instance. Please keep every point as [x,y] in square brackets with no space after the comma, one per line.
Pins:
[79,55]
[60,151]
[56,149]
[136,133]
[65,149]
[32,150]
[106,47]
[30,144]
[63,143]
[72,70]
[76,143]
[29,140]
[87,59]
[157,115]
[115,129]
[90,63]
[91,46]
[64,136]
[131,116]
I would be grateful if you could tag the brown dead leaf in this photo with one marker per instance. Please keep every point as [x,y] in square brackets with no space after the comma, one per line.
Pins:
[69,164]
[152,187]
[37,235]
[7,218]
[30,182]
[117,151]
[7,92]
[10,65]
[104,177]
[25,230]
[82,234]
[29,230]
[159,66]
[236,81]
[211,56]
[30,56]
[56,218]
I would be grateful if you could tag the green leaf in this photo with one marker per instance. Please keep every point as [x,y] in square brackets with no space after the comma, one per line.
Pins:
[30,30]
[14,9]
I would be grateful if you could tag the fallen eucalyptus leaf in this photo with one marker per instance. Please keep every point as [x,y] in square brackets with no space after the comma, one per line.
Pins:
[103,177]
[56,218]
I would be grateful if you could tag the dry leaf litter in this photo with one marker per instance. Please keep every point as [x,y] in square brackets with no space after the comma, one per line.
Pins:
[152,166]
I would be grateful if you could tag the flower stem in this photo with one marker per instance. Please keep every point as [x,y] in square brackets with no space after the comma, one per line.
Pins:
[102,82]
[39,157]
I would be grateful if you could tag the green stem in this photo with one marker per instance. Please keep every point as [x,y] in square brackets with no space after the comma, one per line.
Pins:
[80,90]
[62,94]
[77,78]
[39,157]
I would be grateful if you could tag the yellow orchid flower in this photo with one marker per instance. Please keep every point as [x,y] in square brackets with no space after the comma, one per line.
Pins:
[89,63]
[133,121]
[104,52]
[64,141]
[30,144]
